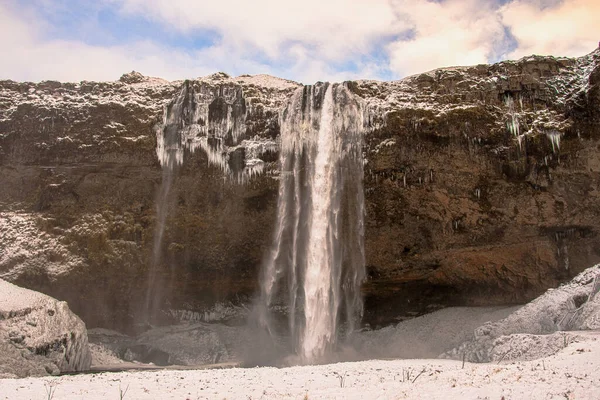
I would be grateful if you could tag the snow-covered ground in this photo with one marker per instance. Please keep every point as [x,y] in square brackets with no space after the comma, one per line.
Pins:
[529,359]
[571,373]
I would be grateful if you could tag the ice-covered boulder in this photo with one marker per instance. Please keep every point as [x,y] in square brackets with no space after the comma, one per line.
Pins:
[573,306]
[589,315]
[526,347]
[186,344]
[39,335]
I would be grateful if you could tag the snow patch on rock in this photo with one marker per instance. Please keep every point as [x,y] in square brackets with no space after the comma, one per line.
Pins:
[426,336]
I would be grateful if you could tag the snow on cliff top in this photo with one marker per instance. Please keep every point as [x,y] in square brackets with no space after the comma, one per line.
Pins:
[263,80]
[267,81]
[132,90]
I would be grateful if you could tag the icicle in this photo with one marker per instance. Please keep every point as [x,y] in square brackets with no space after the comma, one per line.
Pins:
[520,141]
[554,137]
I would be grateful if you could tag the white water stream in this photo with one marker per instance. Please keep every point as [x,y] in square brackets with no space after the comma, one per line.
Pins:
[316,263]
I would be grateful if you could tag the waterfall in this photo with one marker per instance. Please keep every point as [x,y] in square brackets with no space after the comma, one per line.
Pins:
[153,297]
[170,152]
[316,263]
[207,117]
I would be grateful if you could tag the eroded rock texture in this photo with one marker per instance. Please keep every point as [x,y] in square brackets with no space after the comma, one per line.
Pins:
[481,186]
[80,177]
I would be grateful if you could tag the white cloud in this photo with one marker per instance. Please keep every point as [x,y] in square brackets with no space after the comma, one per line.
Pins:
[568,28]
[455,32]
[315,33]
[466,32]
[304,40]
[332,29]
[29,55]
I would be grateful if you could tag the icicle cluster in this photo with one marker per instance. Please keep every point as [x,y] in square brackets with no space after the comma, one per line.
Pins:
[211,118]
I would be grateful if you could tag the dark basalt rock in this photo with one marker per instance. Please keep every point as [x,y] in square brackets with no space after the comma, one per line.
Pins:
[459,210]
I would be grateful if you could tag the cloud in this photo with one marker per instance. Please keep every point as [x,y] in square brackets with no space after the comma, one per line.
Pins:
[454,32]
[306,40]
[331,30]
[467,32]
[29,56]
[567,28]
[33,55]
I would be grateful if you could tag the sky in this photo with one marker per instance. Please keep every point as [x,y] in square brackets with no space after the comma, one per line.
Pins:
[302,40]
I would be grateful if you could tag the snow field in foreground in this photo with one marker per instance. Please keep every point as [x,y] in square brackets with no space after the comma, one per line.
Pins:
[571,373]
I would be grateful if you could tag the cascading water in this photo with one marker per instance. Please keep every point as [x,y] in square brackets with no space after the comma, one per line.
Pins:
[316,263]
[152,300]
[170,154]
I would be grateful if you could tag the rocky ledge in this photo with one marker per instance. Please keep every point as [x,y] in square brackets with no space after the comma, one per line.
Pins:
[481,187]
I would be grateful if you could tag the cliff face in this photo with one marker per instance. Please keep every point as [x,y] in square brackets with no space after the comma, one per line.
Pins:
[81,176]
[483,183]
[481,186]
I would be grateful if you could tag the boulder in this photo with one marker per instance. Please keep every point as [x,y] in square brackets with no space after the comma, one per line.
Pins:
[39,335]
[574,306]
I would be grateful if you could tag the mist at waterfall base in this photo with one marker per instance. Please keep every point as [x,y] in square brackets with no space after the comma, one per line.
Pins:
[316,263]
